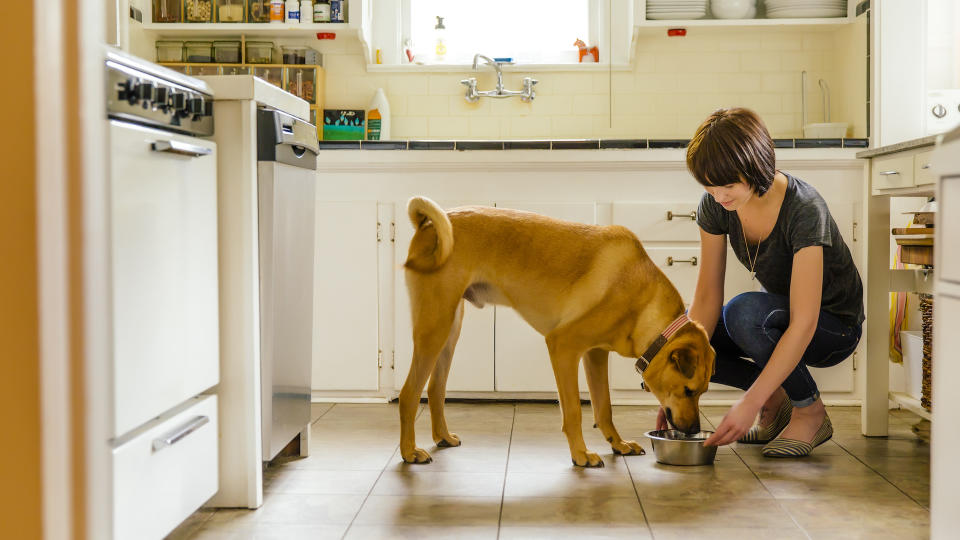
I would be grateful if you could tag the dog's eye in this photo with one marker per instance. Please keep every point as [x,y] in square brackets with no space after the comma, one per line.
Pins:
[687,392]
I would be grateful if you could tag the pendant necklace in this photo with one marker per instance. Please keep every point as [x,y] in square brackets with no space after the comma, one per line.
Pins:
[746,246]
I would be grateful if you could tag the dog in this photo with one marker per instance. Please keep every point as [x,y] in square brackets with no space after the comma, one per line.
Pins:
[588,289]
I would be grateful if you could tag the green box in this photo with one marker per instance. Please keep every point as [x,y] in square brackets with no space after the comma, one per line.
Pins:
[343,124]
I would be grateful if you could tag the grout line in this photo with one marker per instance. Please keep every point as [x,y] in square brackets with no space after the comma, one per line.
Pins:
[626,463]
[881,475]
[420,410]
[506,468]
[324,414]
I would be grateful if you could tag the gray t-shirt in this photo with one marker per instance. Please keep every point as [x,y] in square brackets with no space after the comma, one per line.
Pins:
[804,220]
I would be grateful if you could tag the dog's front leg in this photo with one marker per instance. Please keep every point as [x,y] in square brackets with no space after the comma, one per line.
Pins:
[565,361]
[595,367]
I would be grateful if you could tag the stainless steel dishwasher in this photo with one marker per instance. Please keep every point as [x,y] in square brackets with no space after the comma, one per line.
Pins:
[286,177]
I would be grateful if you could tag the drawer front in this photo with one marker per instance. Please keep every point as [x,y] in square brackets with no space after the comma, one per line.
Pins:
[163,475]
[656,222]
[922,173]
[892,172]
[948,230]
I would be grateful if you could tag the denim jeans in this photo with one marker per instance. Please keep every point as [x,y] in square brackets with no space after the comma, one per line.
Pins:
[750,327]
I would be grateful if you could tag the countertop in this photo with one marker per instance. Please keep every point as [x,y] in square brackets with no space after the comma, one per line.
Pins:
[899,147]
[236,87]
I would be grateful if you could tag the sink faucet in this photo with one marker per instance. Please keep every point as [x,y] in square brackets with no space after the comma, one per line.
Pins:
[473,95]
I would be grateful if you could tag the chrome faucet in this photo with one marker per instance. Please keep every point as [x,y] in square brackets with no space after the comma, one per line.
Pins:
[473,95]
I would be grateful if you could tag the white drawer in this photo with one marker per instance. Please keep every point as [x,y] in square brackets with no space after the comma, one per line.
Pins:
[948,230]
[656,222]
[156,489]
[922,173]
[892,172]
[683,271]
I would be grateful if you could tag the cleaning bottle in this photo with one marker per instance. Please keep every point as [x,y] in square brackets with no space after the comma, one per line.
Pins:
[439,32]
[378,117]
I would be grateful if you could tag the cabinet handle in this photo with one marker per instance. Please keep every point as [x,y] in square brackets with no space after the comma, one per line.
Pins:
[179,433]
[888,173]
[691,260]
[692,215]
[926,166]
[177,147]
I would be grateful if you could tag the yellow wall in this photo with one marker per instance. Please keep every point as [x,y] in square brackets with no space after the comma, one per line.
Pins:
[672,86]
[20,498]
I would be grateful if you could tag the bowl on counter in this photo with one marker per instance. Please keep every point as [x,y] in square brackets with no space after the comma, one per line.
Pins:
[733,9]
[674,447]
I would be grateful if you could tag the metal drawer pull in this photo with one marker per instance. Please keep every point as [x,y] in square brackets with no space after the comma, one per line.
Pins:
[927,166]
[692,215]
[177,147]
[691,260]
[888,173]
[180,433]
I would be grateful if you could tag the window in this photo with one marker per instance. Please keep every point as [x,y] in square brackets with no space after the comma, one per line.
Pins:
[529,31]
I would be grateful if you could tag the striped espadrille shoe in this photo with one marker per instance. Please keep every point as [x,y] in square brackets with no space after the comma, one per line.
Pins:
[762,435]
[787,448]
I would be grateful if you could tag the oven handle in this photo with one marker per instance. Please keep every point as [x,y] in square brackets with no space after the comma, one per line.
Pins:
[181,148]
[172,438]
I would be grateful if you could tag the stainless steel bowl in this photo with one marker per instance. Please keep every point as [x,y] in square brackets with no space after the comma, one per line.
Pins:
[674,447]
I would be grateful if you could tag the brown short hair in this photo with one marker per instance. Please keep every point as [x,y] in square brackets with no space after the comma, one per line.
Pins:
[729,145]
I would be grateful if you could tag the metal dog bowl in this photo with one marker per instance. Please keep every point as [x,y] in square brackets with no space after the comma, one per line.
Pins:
[674,447]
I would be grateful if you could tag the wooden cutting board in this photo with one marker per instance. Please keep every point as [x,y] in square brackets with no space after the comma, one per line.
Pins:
[913,230]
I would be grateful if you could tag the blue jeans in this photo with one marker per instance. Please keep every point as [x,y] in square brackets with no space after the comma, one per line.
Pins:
[750,327]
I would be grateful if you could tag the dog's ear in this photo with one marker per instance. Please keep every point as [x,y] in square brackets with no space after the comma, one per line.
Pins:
[685,361]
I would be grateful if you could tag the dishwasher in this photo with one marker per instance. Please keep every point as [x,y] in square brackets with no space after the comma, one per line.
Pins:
[286,182]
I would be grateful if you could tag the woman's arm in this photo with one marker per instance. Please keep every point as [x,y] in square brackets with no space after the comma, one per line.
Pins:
[806,285]
[708,297]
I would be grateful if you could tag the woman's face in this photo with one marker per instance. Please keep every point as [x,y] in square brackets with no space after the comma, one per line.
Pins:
[731,196]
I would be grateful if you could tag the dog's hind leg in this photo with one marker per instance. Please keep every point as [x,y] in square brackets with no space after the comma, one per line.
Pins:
[565,360]
[436,391]
[595,367]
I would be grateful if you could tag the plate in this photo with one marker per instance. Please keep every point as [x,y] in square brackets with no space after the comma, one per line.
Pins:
[804,13]
[665,15]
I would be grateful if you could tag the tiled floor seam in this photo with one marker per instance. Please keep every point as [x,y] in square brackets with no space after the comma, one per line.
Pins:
[506,469]
[636,492]
[346,531]
[324,414]
[881,475]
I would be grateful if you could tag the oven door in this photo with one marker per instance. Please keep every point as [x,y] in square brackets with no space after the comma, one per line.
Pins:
[164,264]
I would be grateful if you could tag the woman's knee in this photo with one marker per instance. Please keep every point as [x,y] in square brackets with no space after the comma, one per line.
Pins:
[747,314]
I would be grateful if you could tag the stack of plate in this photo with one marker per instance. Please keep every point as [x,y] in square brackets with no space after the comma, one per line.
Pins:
[676,9]
[781,9]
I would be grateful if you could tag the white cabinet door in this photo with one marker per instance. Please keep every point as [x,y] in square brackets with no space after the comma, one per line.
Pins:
[472,366]
[522,361]
[345,332]
[671,221]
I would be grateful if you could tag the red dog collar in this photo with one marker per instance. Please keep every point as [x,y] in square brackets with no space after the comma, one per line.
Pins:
[644,361]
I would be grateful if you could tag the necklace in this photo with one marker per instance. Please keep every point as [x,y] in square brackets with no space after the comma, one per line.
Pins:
[746,246]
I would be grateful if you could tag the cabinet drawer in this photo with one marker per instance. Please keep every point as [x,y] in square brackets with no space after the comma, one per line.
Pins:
[922,173]
[164,474]
[655,222]
[892,172]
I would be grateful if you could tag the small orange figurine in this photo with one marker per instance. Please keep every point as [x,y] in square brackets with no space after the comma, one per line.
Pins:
[592,53]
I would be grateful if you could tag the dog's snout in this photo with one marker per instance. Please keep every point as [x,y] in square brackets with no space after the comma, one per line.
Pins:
[694,428]
[669,415]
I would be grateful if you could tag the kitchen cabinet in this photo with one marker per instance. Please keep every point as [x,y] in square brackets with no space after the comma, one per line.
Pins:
[905,169]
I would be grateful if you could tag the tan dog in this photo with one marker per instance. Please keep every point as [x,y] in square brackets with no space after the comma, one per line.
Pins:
[587,289]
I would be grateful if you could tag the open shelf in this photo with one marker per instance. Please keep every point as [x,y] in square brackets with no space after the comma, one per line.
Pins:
[829,23]
[910,403]
[248,29]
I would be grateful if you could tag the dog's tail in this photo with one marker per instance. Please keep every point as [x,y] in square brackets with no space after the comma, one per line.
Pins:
[423,212]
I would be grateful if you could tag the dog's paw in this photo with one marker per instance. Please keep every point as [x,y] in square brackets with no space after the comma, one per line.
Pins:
[628,448]
[418,455]
[588,459]
[450,440]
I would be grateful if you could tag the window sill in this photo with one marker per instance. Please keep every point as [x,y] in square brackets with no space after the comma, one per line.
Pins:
[523,68]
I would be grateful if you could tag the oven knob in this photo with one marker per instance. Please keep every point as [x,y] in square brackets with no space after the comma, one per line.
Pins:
[939,111]
[208,108]
[178,101]
[195,105]
[144,91]
[127,91]
[162,95]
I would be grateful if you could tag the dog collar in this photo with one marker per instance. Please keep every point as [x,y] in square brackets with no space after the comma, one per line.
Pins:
[644,361]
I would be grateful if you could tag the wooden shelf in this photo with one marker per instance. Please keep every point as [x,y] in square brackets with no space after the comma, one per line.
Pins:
[910,403]
[196,30]
[828,23]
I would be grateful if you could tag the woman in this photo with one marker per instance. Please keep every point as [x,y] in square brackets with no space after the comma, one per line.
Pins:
[811,309]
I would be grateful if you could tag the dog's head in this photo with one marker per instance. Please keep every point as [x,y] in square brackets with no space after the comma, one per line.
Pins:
[679,373]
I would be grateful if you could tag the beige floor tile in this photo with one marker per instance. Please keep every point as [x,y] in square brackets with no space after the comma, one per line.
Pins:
[872,533]
[568,511]
[439,483]
[880,447]
[319,409]
[271,531]
[576,483]
[720,481]
[292,509]
[344,457]
[575,532]
[460,459]
[735,533]
[558,460]
[418,510]
[715,513]
[404,532]
[833,486]
[189,528]
[812,466]
[856,514]
[319,481]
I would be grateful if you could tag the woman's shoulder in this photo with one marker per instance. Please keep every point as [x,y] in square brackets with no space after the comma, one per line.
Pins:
[801,195]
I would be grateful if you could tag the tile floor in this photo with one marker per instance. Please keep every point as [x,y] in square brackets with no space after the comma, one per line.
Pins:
[512,479]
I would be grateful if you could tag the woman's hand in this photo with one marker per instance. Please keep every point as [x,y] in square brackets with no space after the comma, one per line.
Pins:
[735,424]
[662,420]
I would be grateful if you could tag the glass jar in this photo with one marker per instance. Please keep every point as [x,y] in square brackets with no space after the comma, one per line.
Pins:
[302,82]
[273,75]
[169,51]
[226,52]
[234,70]
[166,11]
[258,11]
[229,11]
[259,52]
[204,70]
[198,10]
[294,55]
[198,51]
